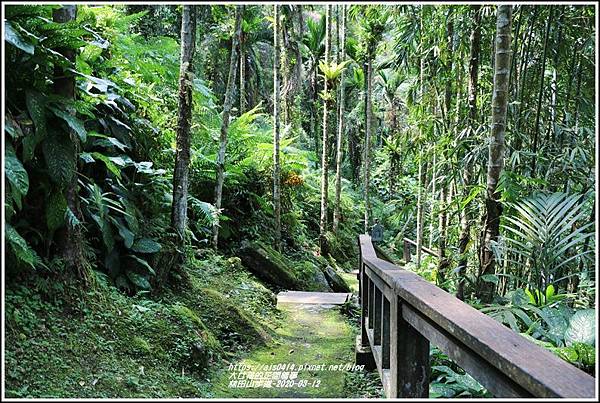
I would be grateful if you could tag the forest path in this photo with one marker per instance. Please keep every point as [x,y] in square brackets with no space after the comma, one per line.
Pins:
[314,346]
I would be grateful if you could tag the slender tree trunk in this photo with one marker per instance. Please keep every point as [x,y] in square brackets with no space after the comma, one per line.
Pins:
[225,120]
[276,164]
[420,196]
[536,132]
[433,195]
[577,103]
[444,194]
[553,84]
[522,83]
[70,237]
[298,33]
[313,115]
[422,170]
[464,237]
[184,122]
[340,132]
[493,207]
[242,88]
[367,154]
[324,163]
[513,69]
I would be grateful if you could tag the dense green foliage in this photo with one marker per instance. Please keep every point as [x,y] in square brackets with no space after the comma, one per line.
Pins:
[100,163]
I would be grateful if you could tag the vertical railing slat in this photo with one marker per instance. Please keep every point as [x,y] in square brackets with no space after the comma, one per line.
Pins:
[377,317]
[412,353]
[385,334]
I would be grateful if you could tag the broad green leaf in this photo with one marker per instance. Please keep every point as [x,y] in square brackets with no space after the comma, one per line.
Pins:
[125,233]
[144,263]
[59,154]
[146,245]
[582,328]
[15,173]
[549,292]
[139,280]
[109,164]
[490,278]
[73,122]
[35,106]
[20,247]
[14,38]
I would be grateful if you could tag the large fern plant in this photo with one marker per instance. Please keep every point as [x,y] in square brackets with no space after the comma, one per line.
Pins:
[544,242]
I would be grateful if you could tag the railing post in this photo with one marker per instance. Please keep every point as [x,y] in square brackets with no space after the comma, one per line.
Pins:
[364,302]
[363,354]
[406,251]
[409,357]
[371,304]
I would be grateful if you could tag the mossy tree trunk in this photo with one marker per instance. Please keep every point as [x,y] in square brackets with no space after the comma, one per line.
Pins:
[70,237]
[225,120]
[184,122]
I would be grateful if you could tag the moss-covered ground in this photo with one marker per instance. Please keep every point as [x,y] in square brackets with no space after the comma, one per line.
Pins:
[310,343]
[65,341]
[311,334]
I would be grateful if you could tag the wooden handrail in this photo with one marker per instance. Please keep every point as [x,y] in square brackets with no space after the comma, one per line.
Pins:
[402,314]
[406,252]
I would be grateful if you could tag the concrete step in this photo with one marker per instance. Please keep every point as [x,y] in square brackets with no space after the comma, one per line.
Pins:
[306,297]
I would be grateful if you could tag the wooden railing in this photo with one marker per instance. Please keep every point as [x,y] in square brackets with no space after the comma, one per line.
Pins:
[402,314]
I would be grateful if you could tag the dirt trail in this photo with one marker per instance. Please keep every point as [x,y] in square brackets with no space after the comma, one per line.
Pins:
[314,346]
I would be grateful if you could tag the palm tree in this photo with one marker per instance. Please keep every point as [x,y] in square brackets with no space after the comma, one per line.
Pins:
[315,47]
[324,165]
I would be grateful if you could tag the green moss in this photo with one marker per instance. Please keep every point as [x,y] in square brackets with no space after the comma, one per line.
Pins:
[310,335]
[269,265]
[310,276]
[229,321]
[141,345]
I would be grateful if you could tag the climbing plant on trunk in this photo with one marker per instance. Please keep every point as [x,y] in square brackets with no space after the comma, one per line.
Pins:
[465,217]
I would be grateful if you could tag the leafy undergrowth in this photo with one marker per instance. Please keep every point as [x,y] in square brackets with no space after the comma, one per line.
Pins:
[64,342]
